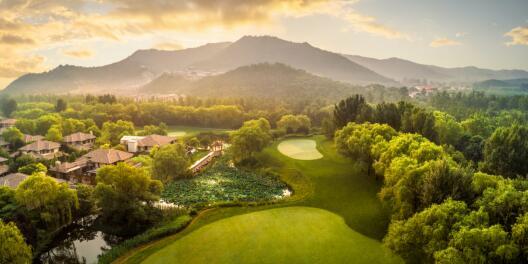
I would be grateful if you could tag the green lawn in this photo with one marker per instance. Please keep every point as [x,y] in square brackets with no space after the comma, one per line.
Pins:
[284,235]
[181,131]
[332,183]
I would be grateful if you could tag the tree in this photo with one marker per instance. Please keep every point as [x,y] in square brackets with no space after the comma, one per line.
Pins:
[49,203]
[480,245]
[251,138]
[13,136]
[170,163]
[21,161]
[45,122]
[388,113]
[126,195]
[13,248]
[54,134]
[85,195]
[112,132]
[61,105]
[472,147]
[506,151]
[26,126]
[294,124]
[8,106]
[449,131]
[356,140]
[33,168]
[418,238]
[352,109]
[154,130]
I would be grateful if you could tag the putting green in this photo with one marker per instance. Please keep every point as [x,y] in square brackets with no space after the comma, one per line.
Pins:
[282,235]
[301,149]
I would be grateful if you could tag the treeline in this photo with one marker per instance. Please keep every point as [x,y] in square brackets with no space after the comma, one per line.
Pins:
[442,210]
[463,105]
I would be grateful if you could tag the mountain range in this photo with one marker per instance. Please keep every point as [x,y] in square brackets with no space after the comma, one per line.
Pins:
[151,68]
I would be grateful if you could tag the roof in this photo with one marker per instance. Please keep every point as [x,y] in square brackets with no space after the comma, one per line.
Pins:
[131,138]
[70,166]
[155,140]
[108,156]
[4,169]
[8,121]
[75,137]
[14,179]
[2,159]
[31,138]
[40,145]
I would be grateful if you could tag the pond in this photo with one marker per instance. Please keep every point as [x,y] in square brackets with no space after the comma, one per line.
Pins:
[81,242]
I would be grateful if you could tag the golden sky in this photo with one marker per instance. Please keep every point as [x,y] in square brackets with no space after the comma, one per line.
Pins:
[38,35]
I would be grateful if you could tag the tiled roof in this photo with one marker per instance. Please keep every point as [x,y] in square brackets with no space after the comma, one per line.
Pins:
[2,159]
[155,140]
[31,138]
[9,121]
[70,166]
[108,156]
[75,137]
[40,145]
[14,179]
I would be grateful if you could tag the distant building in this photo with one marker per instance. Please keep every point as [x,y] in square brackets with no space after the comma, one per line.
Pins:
[3,166]
[84,168]
[30,138]
[14,179]
[80,141]
[138,144]
[3,143]
[42,149]
[6,123]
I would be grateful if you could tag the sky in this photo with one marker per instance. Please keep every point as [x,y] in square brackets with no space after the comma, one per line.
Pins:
[39,35]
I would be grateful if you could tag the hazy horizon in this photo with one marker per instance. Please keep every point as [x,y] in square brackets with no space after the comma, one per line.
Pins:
[36,36]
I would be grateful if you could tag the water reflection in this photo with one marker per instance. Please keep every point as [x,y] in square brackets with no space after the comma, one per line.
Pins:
[80,243]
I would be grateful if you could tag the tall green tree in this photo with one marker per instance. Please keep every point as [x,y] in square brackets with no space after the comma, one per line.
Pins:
[13,136]
[54,134]
[8,106]
[506,151]
[13,248]
[126,195]
[112,132]
[61,105]
[352,109]
[170,163]
[51,204]
[251,138]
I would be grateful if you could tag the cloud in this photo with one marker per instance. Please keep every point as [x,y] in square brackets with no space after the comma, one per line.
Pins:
[79,53]
[168,46]
[442,42]
[15,66]
[10,39]
[460,34]
[369,24]
[519,36]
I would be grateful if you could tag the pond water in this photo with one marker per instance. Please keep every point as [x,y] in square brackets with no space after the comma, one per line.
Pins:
[81,242]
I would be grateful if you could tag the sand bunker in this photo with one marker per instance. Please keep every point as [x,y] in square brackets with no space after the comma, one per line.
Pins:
[301,149]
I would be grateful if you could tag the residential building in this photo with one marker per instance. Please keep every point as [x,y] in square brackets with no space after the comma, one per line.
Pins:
[138,144]
[7,123]
[42,149]
[80,141]
[84,168]
[4,169]
[30,138]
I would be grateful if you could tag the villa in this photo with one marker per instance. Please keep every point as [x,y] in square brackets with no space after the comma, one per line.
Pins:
[84,168]
[42,149]
[4,169]
[80,141]
[6,123]
[138,144]
[30,138]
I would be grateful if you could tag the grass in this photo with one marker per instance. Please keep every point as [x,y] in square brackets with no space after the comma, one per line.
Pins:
[283,235]
[181,131]
[332,183]
[301,149]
